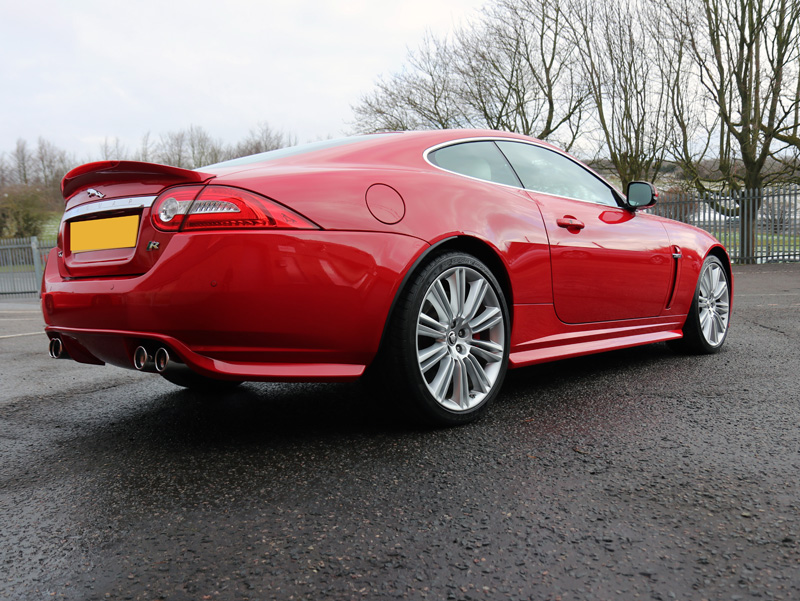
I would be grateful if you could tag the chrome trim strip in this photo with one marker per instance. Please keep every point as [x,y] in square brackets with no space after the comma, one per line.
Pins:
[103,206]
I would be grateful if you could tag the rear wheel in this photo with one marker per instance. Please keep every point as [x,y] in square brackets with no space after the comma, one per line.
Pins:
[706,325]
[449,341]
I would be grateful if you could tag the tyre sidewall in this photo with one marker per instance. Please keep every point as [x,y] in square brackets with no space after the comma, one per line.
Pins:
[425,402]
[693,331]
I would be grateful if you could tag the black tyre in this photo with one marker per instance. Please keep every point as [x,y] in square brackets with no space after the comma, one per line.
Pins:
[706,326]
[449,340]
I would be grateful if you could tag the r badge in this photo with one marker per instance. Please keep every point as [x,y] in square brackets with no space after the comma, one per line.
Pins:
[152,245]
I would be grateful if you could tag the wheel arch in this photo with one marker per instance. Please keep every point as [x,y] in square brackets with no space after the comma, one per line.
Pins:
[466,244]
[696,340]
[720,253]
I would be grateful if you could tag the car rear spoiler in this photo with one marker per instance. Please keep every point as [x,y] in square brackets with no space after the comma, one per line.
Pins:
[115,172]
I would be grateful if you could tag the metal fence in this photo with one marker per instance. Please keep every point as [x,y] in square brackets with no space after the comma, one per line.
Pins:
[756,226]
[22,263]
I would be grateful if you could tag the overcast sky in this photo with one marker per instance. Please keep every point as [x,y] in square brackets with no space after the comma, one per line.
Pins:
[76,72]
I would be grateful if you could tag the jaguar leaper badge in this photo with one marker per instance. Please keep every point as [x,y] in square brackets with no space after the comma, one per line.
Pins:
[94,193]
[153,245]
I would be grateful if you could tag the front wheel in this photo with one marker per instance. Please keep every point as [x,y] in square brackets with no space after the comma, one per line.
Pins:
[450,340]
[706,325]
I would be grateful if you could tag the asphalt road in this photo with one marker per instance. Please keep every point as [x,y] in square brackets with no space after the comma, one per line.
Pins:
[637,474]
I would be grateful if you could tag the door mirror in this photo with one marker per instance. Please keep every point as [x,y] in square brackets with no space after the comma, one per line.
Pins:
[641,195]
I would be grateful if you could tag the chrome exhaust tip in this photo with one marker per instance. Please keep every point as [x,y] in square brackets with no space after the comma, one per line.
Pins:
[56,349]
[161,360]
[142,360]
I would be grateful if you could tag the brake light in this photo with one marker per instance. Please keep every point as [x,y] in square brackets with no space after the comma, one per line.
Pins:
[170,209]
[222,207]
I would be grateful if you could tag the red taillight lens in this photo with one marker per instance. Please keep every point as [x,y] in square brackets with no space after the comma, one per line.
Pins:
[170,208]
[222,207]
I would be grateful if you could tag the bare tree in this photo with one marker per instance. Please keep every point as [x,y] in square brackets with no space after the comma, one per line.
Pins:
[51,165]
[518,71]
[113,150]
[22,163]
[190,148]
[202,148]
[629,97]
[422,95]
[261,138]
[692,120]
[187,148]
[510,71]
[173,149]
[746,57]
[147,151]
[747,54]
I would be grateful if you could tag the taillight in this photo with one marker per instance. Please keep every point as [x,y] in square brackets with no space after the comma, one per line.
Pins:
[221,207]
[170,209]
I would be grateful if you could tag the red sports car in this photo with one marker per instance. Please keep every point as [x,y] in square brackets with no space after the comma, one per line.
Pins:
[437,259]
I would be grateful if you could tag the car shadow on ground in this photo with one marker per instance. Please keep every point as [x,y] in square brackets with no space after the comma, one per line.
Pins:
[264,432]
[265,413]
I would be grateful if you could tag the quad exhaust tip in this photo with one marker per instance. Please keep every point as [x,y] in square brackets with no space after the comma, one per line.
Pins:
[161,360]
[56,349]
[142,360]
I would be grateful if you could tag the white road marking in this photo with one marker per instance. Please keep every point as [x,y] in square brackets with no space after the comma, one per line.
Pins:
[18,335]
[19,319]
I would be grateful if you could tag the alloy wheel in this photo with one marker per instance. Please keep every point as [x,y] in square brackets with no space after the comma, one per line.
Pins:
[713,304]
[460,338]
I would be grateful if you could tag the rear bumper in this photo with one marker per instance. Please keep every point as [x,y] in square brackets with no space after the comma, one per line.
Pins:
[269,306]
[116,347]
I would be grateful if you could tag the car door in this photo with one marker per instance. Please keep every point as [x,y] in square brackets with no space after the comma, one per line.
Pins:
[608,263]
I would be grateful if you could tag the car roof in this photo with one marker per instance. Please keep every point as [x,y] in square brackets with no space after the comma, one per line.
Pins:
[387,148]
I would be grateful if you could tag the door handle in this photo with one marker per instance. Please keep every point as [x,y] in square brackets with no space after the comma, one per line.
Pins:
[570,223]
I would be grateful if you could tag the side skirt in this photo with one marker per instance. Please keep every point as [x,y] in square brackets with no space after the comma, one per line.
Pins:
[539,336]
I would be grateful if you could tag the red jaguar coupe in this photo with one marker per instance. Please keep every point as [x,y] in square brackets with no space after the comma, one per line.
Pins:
[437,259]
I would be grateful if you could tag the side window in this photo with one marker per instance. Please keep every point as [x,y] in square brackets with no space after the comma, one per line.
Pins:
[543,170]
[481,160]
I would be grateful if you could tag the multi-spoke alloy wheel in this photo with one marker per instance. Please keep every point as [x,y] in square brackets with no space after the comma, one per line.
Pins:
[460,338]
[713,300]
[453,339]
[707,323]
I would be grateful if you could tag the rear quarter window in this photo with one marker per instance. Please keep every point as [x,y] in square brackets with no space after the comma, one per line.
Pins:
[479,159]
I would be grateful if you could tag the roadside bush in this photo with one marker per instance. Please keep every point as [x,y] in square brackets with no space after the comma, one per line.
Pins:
[22,211]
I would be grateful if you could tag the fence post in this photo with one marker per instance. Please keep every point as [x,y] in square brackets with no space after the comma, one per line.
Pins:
[37,262]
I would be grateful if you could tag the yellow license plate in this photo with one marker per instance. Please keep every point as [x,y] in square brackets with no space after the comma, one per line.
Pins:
[102,234]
